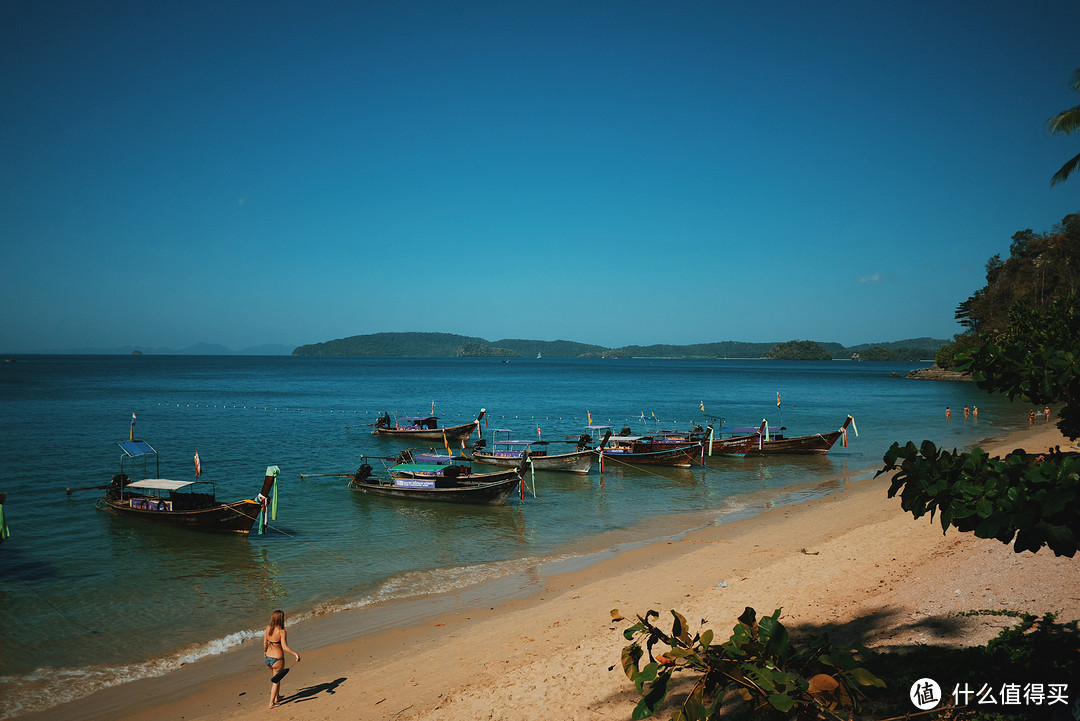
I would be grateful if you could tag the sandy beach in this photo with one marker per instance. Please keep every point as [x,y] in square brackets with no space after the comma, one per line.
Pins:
[852,558]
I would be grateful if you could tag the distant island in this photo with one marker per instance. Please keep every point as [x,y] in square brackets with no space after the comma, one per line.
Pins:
[449,345]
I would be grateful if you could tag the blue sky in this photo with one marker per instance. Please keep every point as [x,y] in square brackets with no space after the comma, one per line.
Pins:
[610,172]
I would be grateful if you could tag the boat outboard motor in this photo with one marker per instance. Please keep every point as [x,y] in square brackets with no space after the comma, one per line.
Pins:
[384,421]
[625,431]
[362,473]
[480,444]
[583,442]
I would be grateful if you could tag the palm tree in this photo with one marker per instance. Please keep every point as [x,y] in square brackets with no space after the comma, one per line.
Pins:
[1065,122]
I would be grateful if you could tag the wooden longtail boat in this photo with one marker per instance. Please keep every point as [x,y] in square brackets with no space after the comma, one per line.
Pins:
[425,427]
[3,519]
[818,443]
[649,450]
[737,445]
[483,488]
[507,453]
[182,504]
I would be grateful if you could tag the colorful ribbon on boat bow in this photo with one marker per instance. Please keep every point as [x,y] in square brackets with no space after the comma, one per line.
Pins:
[269,487]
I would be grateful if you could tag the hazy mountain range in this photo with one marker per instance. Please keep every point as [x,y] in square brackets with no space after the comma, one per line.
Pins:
[443,345]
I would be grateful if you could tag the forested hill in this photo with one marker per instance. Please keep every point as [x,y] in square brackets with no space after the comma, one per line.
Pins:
[449,345]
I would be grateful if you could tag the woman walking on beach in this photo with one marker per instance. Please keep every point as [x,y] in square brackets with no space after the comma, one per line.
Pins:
[275,646]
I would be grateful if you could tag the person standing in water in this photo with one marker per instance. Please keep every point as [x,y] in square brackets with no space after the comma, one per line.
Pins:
[275,646]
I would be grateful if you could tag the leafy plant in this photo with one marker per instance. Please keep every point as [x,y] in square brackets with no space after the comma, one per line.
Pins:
[758,664]
[1022,497]
[1035,359]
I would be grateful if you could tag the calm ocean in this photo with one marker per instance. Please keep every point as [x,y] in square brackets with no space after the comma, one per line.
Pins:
[90,600]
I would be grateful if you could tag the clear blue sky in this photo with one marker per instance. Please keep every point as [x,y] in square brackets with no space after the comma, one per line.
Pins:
[612,172]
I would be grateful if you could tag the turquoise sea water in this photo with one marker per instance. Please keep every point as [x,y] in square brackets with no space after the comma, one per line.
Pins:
[90,600]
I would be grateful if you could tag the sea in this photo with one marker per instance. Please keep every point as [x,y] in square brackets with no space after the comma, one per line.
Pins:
[91,600]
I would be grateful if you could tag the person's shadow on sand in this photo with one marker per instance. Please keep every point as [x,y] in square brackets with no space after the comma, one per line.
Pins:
[309,692]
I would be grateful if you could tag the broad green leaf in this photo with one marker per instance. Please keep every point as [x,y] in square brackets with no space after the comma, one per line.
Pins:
[781,702]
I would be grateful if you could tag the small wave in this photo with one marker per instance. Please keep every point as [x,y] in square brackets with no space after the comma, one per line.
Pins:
[45,687]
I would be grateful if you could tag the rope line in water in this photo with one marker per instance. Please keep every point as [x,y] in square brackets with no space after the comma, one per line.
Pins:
[295,538]
[280,409]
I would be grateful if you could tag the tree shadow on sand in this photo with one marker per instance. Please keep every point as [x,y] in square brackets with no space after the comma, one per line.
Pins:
[308,693]
[979,650]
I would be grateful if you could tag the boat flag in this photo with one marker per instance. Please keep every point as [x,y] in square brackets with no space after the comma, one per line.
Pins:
[537,431]
[131,433]
[198,465]
[777,399]
[447,444]
[589,414]
[433,408]
[703,406]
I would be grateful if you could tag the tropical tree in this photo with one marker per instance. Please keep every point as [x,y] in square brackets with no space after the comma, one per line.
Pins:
[1064,123]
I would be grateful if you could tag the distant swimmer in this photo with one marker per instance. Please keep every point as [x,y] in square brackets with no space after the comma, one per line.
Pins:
[948,413]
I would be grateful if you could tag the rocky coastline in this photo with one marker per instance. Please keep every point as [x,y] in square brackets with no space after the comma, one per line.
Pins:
[937,373]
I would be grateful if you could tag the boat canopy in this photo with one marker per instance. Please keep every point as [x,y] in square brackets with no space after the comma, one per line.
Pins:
[437,458]
[416,419]
[160,484]
[514,443]
[133,449]
[418,467]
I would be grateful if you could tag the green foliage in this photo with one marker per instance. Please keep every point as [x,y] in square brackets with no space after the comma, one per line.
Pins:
[1065,123]
[1040,268]
[759,663]
[962,343]
[798,350]
[1034,358]
[1025,498]
[483,350]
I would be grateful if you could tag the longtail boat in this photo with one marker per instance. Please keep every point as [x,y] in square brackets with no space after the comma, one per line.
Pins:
[482,488]
[425,427]
[680,452]
[506,452]
[4,533]
[182,504]
[734,445]
[818,443]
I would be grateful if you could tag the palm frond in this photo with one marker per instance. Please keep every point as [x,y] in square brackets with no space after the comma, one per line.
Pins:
[1065,172]
[1065,122]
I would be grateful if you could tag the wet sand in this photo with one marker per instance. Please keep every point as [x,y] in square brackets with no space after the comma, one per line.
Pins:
[552,651]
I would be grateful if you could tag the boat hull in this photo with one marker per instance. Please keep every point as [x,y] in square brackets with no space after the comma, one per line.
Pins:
[471,478]
[735,446]
[492,494]
[575,462]
[236,517]
[681,457]
[817,444]
[450,433]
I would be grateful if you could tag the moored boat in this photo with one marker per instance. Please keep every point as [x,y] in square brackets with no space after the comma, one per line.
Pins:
[738,444]
[4,533]
[440,485]
[507,453]
[425,427]
[182,504]
[818,443]
[679,452]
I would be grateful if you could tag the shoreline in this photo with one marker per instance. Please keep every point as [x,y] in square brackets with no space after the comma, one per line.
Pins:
[544,649]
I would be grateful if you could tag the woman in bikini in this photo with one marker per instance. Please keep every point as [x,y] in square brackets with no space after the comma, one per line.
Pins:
[275,646]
